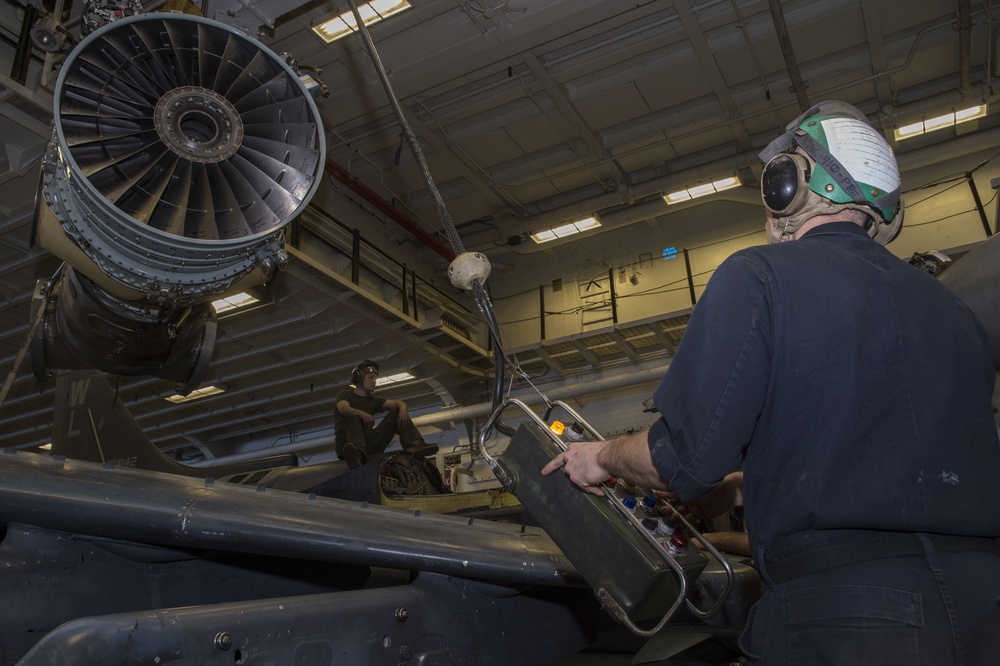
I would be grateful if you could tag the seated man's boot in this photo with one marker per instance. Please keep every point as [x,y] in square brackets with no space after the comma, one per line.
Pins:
[353,456]
[421,448]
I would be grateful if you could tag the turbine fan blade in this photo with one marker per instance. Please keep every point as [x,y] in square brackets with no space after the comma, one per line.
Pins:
[296,134]
[256,73]
[170,212]
[98,80]
[92,158]
[234,59]
[279,88]
[200,221]
[181,46]
[277,198]
[230,221]
[117,179]
[135,64]
[82,129]
[143,198]
[257,216]
[290,166]
[291,111]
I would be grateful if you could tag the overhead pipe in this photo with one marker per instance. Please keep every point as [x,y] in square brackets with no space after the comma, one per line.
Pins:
[569,391]
[387,209]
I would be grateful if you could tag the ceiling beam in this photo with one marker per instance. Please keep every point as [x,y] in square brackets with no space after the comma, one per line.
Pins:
[570,118]
[703,51]
[450,151]
[876,50]
[785,40]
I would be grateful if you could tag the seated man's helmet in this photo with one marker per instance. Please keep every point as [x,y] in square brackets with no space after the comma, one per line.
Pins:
[831,159]
[362,369]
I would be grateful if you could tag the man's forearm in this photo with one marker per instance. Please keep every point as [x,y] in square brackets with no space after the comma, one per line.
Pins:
[398,405]
[627,457]
[736,543]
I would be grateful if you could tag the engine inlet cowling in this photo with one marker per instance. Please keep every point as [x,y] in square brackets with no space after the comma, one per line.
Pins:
[181,149]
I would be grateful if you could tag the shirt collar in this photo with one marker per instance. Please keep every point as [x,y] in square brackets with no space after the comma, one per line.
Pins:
[846,227]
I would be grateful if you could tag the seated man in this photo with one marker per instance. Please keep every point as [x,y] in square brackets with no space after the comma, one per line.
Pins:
[356,434]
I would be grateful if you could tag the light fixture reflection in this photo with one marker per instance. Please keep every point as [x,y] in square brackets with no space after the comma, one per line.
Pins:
[566,230]
[344,24]
[394,379]
[940,122]
[702,190]
[196,394]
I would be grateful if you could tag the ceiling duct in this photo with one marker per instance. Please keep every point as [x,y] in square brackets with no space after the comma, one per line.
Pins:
[182,148]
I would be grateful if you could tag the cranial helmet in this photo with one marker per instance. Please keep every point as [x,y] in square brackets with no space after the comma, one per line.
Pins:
[831,159]
[362,369]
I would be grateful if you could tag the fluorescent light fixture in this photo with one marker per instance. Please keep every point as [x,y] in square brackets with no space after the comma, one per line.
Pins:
[46,447]
[702,190]
[394,379]
[202,392]
[971,113]
[234,302]
[940,122]
[566,230]
[371,12]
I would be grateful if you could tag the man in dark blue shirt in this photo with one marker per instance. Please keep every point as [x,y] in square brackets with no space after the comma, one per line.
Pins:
[855,394]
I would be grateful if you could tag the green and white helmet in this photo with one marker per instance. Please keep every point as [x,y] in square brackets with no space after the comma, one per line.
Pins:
[831,159]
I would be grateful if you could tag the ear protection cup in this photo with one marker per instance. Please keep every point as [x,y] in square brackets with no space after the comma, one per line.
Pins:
[361,367]
[886,232]
[785,183]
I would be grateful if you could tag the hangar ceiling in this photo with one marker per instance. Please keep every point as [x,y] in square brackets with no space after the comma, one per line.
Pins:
[531,114]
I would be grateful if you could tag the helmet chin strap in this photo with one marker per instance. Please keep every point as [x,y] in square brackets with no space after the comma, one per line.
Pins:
[784,228]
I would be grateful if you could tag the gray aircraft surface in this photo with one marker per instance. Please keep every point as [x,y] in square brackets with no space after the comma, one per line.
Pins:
[111,565]
[181,150]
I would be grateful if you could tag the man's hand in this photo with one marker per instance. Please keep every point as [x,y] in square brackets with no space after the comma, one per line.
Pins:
[402,413]
[368,419]
[580,462]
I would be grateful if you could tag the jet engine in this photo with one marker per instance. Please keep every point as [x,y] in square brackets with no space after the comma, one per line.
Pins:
[181,149]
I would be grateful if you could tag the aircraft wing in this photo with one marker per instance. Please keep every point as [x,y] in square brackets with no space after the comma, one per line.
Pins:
[182,512]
